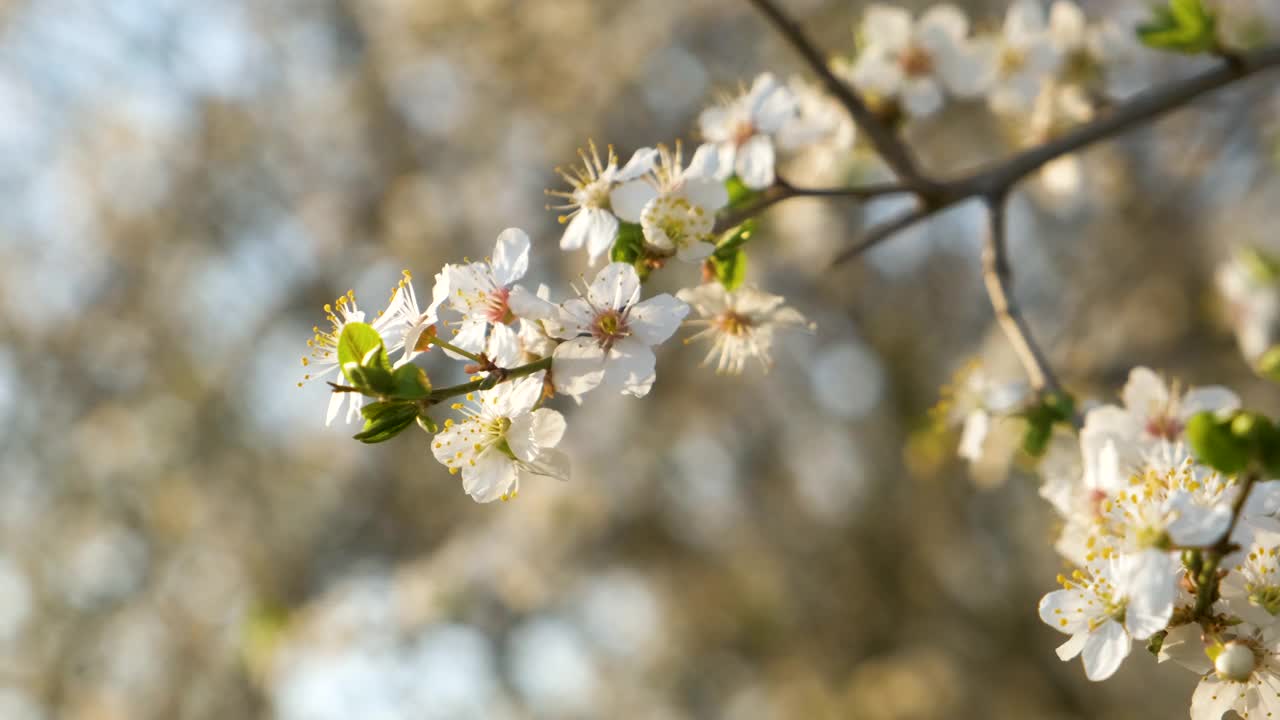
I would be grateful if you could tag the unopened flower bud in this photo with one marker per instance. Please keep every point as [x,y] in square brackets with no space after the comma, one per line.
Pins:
[1235,662]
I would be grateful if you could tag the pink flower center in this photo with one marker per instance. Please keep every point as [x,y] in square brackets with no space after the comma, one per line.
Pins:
[609,327]
[916,62]
[496,308]
[1165,427]
[742,132]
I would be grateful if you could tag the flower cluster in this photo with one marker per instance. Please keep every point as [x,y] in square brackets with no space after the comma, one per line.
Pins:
[1169,548]
[1168,507]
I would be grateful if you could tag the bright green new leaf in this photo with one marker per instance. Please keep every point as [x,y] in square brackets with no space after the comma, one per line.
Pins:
[1184,26]
[1214,443]
[1269,364]
[356,343]
[1052,409]
[426,422]
[385,420]
[629,245]
[411,382]
[731,268]
[735,238]
[739,193]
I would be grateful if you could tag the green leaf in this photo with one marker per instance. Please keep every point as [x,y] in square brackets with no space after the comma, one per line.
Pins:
[735,238]
[1184,26]
[411,383]
[1213,441]
[356,341]
[426,422]
[730,269]
[739,193]
[370,379]
[385,420]
[1261,266]
[629,245]
[1269,364]
[1052,409]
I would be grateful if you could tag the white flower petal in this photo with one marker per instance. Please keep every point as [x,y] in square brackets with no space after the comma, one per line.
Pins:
[1213,398]
[520,438]
[755,162]
[503,346]
[1148,579]
[471,337]
[490,478]
[1073,646]
[704,165]
[944,20]
[1184,645]
[656,319]
[1067,611]
[630,368]
[1145,394]
[710,195]
[528,306]
[1213,698]
[695,251]
[887,26]
[921,96]
[1024,20]
[577,366]
[641,162]
[628,199]
[551,463]
[1195,524]
[548,427]
[974,434]
[616,286]
[510,256]
[1104,650]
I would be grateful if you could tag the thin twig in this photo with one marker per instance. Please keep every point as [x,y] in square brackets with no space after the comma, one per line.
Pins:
[782,190]
[890,147]
[884,231]
[998,278]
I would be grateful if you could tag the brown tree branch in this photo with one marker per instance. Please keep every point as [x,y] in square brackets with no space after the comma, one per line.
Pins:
[890,147]
[998,278]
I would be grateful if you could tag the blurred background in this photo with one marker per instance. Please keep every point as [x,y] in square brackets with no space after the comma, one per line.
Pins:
[185,185]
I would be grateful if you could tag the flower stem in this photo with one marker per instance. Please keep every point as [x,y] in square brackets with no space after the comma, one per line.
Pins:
[435,340]
[494,378]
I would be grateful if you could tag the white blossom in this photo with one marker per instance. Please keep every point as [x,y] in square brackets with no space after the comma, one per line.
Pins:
[918,61]
[1108,605]
[975,401]
[1153,413]
[1245,677]
[1022,58]
[502,440]
[487,296]
[740,324]
[591,220]
[407,322]
[1250,286]
[676,206]
[742,130]
[323,358]
[608,335]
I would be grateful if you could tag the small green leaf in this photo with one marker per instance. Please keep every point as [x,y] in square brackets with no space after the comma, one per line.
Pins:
[356,341]
[731,269]
[735,238]
[411,383]
[629,245]
[739,193]
[1052,409]
[1269,364]
[1184,26]
[370,380]
[385,420]
[1262,267]
[1035,439]
[1214,443]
